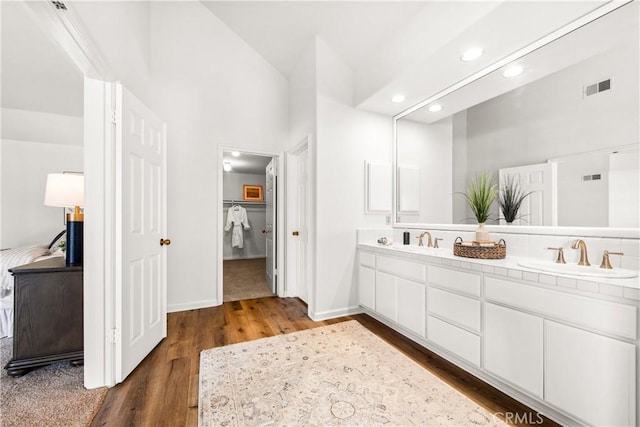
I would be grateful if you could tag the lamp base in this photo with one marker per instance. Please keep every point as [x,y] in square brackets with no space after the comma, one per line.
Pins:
[75,249]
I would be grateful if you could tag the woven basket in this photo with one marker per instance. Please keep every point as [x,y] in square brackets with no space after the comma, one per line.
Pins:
[499,251]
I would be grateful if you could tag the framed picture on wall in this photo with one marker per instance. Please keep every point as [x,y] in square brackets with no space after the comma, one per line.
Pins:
[252,193]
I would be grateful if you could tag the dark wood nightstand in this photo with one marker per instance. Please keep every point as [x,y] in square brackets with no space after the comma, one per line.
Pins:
[48,319]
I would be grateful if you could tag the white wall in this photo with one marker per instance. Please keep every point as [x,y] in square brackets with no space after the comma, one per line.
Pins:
[121,31]
[346,137]
[25,125]
[583,203]
[32,145]
[212,89]
[254,243]
[25,165]
[429,147]
[302,97]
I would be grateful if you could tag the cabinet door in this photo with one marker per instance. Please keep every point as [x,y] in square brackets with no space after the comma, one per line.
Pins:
[367,287]
[411,305]
[386,295]
[589,375]
[513,347]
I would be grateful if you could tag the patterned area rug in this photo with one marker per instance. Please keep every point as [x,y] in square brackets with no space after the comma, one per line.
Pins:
[50,396]
[337,375]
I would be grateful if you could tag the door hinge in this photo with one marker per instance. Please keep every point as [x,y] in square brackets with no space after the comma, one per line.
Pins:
[113,335]
[114,117]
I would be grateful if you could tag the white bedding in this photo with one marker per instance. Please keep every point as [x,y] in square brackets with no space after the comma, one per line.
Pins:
[13,258]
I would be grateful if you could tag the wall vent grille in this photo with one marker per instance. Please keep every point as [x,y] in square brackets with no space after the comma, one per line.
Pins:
[594,177]
[592,89]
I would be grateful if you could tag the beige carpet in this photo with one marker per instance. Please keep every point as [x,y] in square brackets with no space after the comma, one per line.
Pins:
[245,279]
[338,375]
[49,396]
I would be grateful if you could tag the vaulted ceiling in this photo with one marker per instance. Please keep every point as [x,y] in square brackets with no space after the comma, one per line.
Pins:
[408,47]
[412,48]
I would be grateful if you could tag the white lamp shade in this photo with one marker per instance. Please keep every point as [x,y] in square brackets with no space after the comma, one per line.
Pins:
[64,190]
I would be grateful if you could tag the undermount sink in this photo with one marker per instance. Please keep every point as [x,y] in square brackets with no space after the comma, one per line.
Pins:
[578,270]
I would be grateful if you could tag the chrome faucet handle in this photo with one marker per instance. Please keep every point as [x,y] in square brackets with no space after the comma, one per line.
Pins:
[560,257]
[605,259]
[435,245]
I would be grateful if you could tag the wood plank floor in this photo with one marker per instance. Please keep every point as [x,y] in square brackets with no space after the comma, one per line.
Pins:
[163,389]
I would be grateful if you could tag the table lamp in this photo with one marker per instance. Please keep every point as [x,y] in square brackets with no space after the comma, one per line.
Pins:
[67,190]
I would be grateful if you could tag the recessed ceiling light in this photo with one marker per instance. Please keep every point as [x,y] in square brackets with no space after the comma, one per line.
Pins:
[398,98]
[513,71]
[435,108]
[226,166]
[235,153]
[471,54]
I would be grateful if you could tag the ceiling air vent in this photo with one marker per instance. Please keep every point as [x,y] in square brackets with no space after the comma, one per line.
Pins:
[594,88]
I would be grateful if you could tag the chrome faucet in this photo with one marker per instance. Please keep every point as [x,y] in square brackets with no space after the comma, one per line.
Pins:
[429,242]
[580,244]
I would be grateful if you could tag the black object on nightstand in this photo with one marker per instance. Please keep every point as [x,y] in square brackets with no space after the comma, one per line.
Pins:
[48,321]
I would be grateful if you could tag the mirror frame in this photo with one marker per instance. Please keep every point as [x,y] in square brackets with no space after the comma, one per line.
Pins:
[633,233]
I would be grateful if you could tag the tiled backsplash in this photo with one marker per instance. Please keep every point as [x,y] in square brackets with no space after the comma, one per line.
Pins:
[528,245]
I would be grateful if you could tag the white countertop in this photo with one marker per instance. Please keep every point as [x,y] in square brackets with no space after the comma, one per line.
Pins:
[509,267]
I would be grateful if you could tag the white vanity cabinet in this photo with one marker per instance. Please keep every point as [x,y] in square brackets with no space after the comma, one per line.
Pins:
[400,292]
[395,289]
[453,311]
[513,347]
[589,375]
[367,280]
[577,353]
[566,353]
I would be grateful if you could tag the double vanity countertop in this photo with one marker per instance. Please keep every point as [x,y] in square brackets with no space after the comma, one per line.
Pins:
[546,272]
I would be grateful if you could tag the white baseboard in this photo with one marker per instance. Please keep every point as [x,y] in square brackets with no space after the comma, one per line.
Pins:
[244,257]
[172,308]
[332,314]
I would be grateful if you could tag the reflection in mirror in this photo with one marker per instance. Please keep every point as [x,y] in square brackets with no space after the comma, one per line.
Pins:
[567,129]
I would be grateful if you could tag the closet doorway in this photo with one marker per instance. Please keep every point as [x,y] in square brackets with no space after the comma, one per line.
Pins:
[249,214]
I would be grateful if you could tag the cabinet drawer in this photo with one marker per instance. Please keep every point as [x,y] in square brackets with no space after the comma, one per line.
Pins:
[402,268]
[458,341]
[460,281]
[456,308]
[367,259]
[602,315]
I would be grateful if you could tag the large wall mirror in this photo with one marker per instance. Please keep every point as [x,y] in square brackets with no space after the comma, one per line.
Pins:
[567,128]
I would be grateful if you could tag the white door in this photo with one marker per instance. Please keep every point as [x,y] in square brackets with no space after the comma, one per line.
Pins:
[270,229]
[540,208]
[298,225]
[141,304]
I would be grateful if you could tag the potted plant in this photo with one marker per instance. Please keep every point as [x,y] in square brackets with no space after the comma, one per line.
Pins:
[480,194]
[510,198]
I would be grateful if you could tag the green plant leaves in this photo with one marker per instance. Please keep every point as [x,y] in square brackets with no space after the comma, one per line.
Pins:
[481,192]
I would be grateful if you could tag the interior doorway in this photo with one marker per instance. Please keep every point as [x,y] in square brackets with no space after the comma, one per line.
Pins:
[249,232]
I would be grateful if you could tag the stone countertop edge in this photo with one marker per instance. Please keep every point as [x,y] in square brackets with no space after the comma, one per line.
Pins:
[627,288]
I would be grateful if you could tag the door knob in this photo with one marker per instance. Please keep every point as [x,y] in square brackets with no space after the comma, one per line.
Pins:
[165,242]
[296,233]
